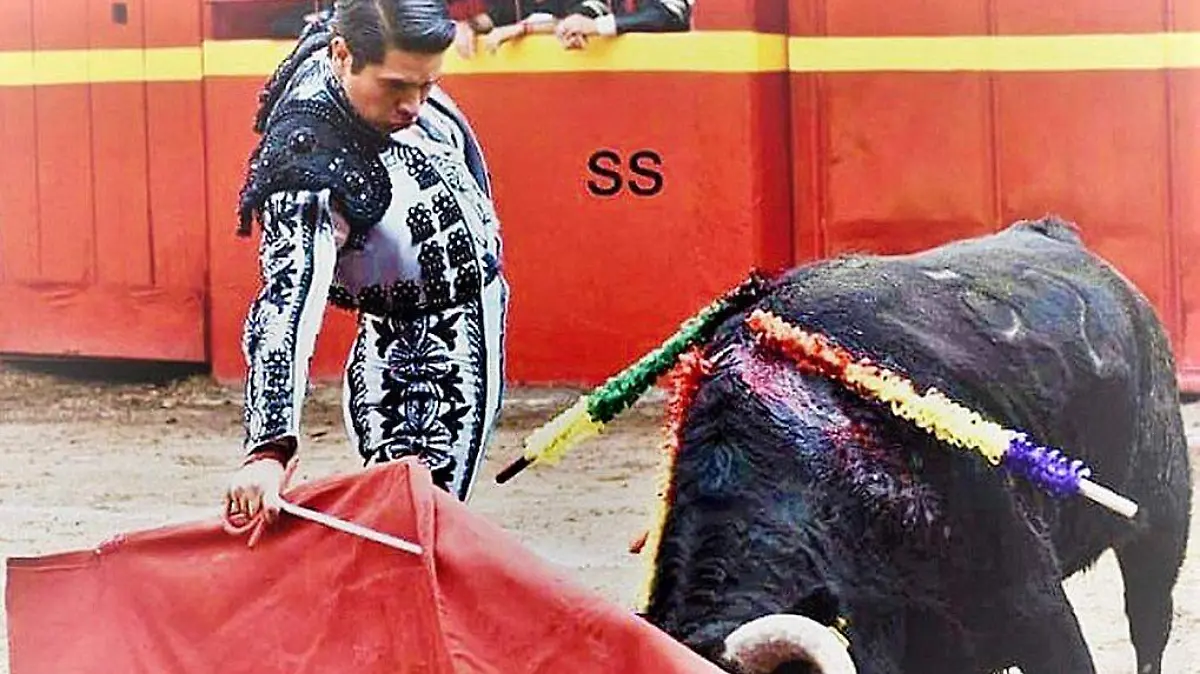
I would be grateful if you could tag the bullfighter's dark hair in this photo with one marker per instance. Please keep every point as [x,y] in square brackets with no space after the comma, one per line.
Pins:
[371,27]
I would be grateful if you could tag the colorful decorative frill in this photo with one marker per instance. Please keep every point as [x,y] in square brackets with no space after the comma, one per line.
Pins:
[587,417]
[934,412]
[682,383]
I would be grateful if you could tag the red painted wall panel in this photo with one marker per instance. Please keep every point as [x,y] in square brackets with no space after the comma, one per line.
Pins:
[101,321]
[18,161]
[89,167]
[175,131]
[1066,148]
[64,152]
[120,177]
[64,159]
[808,140]
[905,170]
[885,161]
[18,185]
[1185,101]
[764,16]
[1185,127]
[178,215]
[52,32]
[16,31]
[1037,17]
[1095,147]
[808,143]
[1185,15]
[119,155]
[172,23]
[105,31]
[770,192]
[906,17]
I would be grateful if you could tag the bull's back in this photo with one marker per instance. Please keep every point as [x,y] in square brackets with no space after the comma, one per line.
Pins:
[1026,326]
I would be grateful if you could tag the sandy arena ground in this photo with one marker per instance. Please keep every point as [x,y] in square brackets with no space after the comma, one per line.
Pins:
[81,461]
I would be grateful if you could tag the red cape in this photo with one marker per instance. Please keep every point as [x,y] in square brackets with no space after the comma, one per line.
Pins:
[306,599]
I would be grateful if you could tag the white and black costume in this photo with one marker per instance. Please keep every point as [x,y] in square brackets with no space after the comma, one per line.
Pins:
[399,228]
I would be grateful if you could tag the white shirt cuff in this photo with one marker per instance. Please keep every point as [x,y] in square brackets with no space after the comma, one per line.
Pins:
[607,25]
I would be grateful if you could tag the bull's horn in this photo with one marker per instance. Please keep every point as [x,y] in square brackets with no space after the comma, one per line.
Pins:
[761,645]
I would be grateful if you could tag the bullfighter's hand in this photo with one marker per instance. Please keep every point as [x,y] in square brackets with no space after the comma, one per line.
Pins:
[255,486]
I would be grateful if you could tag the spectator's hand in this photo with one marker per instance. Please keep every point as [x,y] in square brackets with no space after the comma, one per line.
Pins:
[574,31]
[464,39]
[254,487]
[481,23]
[500,35]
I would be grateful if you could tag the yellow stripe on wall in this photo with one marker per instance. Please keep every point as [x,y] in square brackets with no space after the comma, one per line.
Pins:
[97,66]
[1000,53]
[16,68]
[699,52]
[242,58]
[174,64]
[717,52]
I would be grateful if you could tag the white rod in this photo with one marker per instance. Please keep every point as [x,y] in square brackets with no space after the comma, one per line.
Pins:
[1108,498]
[349,527]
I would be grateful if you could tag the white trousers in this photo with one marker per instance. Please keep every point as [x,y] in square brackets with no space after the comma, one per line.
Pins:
[429,387]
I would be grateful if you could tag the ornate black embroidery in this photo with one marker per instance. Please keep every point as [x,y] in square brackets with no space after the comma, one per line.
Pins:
[459,248]
[433,263]
[418,167]
[420,222]
[467,281]
[356,382]
[313,140]
[448,210]
[274,320]
[403,299]
[406,293]
[423,406]
[437,293]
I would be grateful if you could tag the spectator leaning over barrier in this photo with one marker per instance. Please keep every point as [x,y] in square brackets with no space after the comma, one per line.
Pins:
[538,22]
[471,18]
[373,194]
[590,18]
[501,21]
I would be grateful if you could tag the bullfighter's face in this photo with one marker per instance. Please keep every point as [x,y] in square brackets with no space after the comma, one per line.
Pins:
[388,95]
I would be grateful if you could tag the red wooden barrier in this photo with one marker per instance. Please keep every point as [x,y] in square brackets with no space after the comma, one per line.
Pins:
[102,180]
[1184,108]
[894,160]
[101,195]
[19,211]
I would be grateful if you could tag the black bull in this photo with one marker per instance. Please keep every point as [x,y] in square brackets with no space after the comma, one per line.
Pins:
[794,496]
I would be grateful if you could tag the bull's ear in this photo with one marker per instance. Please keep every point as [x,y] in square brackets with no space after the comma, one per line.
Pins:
[820,604]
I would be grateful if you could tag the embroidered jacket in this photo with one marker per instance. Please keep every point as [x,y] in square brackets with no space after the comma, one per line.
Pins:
[388,225]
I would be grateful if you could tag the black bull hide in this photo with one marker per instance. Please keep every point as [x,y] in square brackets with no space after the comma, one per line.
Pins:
[795,496]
